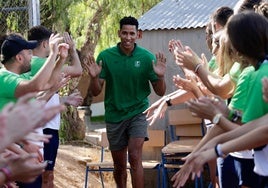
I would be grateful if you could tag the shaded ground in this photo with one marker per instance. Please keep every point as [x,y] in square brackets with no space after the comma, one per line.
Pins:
[70,167]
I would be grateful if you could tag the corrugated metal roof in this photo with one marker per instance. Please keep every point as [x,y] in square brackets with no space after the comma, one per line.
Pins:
[174,14]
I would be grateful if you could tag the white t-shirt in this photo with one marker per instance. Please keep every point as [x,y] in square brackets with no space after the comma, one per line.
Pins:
[246,154]
[261,161]
[55,122]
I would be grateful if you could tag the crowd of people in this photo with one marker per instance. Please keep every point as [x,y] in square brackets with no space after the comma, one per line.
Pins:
[230,92]
[227,92]
[33,73]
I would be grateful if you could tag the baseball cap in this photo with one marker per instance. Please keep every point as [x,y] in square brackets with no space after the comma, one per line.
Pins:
[13,44]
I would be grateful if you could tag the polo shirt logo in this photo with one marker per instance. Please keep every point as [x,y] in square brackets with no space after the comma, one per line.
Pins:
[137,64]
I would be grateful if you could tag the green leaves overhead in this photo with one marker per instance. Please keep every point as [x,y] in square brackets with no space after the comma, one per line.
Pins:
[75,15]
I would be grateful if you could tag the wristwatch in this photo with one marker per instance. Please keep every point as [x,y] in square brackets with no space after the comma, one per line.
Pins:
[216,119]
[168,101]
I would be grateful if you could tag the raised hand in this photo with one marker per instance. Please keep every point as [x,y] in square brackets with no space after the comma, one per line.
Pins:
[193,165]
[74,99]
[175,46]
[36,137]
[68,40]
[91,66]
[190,84]
[188,58]
[13,114]
[160,65]
[61,82]
[156,110]
[182,175]
[63,50]
[150,111]
[207,107]
[23,169]
[54,41]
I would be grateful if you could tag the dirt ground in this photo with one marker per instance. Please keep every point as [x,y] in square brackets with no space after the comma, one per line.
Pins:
[71,164]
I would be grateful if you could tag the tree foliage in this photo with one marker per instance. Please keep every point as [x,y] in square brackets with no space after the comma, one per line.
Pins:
[75,15]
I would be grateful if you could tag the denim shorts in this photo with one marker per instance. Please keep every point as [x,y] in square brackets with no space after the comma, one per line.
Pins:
[235,172]
[119,133]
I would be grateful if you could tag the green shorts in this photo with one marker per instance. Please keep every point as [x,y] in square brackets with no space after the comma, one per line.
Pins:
[119,133]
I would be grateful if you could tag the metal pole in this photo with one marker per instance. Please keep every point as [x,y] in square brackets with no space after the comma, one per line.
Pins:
[34,12]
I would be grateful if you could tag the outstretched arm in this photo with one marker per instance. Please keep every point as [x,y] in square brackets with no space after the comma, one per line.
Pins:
[221,86]
[158,108]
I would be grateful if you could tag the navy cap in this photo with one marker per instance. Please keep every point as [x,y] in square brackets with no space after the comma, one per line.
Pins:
[13,44]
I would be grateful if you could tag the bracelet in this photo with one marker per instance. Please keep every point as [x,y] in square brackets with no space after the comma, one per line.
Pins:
[197,67]
[168,101]
[7,173]
[218,151]
[237,115]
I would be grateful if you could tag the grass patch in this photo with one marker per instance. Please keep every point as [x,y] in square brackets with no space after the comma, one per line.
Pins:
[96,119]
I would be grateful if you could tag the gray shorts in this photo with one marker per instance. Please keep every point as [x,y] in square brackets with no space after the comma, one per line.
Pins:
[119,133]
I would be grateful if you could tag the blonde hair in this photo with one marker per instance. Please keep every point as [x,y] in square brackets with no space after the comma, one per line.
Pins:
[224,56]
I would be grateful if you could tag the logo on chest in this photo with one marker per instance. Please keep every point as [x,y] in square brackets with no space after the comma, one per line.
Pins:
[137,64]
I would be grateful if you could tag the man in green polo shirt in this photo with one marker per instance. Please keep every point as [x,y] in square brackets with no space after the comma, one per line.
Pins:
[127,70]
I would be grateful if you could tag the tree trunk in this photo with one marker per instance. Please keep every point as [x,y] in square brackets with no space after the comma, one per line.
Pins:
[76,128]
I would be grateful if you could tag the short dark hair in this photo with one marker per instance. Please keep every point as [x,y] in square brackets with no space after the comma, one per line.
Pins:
[248,5]
[39,33]
[248,33]
[222,14]
[129,20]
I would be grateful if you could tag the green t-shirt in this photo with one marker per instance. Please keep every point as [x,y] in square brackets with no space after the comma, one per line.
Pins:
[36,64]
[235,72]
[256,106]
[240,97]
[212,65]
[127,82]
[8,82]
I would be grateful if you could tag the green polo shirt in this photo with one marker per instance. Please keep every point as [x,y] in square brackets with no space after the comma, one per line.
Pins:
[127,82]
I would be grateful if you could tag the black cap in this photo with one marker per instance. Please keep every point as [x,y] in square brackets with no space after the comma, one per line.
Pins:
[13,44]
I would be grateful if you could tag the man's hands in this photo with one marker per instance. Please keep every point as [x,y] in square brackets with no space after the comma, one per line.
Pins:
[161,64]
[92,67]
